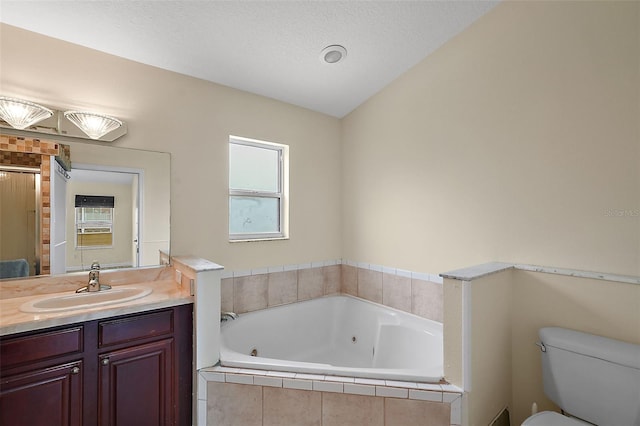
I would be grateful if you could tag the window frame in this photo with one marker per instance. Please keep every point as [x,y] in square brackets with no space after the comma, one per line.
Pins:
[280,194]
[97,224]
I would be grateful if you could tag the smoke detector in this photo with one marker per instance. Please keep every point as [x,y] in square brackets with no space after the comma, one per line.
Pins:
[333,54]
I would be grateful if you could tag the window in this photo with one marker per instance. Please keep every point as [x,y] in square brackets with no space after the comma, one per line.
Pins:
[257,189]
[94,221]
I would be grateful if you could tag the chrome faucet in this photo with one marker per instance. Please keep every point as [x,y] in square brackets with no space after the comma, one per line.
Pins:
[228,316]
[94,280]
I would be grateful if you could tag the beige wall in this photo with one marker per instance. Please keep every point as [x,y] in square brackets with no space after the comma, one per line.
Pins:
[192,120]
[477,337]
[519,138]
[491,358]
[512,142]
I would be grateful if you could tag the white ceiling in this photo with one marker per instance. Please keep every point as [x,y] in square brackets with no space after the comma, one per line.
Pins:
[271,48]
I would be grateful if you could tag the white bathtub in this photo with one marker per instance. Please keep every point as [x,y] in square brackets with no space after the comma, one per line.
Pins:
[336,335]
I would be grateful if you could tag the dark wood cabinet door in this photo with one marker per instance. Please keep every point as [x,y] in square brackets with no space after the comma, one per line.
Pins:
[136,385]
[48,396]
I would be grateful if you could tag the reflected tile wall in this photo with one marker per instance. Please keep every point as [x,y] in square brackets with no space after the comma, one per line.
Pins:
[15,149]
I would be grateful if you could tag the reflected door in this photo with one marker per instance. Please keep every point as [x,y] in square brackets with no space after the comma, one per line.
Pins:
[18,217]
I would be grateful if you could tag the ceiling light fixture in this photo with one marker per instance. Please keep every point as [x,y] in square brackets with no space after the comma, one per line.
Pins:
[94,125]
[22,114]
[333,54]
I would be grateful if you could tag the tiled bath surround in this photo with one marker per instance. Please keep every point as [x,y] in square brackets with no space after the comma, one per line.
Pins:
[252,397]
[416,293]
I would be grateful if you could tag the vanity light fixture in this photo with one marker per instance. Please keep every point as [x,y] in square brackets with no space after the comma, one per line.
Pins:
[94,125]
[21,114]
[333,54]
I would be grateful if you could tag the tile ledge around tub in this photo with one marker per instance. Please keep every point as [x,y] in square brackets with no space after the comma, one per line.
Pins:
[196,264]
[475,272]
[478,271]
[409,390]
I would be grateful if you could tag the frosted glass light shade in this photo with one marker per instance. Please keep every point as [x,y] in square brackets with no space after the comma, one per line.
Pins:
[94,125]
[22,114]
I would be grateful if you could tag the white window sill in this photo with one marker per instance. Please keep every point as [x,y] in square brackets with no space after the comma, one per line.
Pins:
[248,240]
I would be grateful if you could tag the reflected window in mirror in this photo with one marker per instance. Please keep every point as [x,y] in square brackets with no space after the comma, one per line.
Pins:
[94,227]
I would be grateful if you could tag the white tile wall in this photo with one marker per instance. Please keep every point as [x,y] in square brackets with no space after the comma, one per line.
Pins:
[323,386]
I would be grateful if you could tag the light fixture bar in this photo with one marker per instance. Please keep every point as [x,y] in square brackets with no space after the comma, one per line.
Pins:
[93,125]
[21,114]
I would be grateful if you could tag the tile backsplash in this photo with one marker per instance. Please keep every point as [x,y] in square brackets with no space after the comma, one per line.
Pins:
[417,293]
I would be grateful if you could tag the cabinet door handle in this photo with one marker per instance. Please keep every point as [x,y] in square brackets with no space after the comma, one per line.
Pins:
[75,370]
[105,361]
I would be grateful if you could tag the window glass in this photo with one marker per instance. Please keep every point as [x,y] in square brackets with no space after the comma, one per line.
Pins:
[253,168]
[256,194]
[250,215]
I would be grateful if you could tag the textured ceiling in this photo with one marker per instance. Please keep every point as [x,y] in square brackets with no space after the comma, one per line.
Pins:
[271,48]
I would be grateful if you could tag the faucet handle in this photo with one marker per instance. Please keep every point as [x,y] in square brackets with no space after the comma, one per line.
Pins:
[95,266]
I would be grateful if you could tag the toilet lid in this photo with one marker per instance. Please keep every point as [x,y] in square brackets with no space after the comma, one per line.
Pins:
[550,418]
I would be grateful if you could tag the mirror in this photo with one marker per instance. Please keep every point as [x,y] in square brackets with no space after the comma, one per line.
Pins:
[133,231]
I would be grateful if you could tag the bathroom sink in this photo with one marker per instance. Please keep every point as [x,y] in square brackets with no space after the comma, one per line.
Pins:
[69,302]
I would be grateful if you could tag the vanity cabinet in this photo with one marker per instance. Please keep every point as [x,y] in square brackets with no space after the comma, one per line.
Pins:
[128,370]
[42,378]
[43,396]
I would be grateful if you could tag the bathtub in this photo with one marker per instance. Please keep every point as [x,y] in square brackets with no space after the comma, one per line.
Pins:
[335,335]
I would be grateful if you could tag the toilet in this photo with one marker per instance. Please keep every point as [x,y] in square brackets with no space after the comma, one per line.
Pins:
[594,379]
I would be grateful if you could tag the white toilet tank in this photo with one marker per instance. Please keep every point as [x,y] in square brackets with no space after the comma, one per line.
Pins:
[591,377]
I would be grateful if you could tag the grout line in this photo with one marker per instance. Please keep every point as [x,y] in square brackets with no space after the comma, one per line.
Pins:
[297,285]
